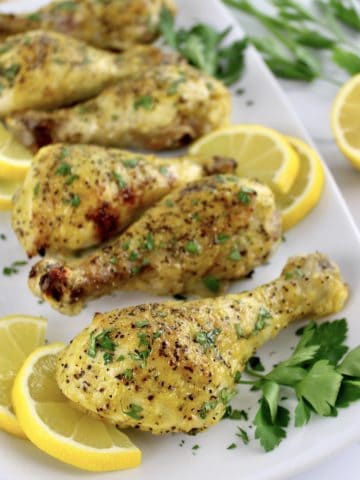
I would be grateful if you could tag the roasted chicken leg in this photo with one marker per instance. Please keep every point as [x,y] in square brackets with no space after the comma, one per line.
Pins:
[165,108]
[213,229]
[77,196]
[46,70]
[170,367]
[114,24]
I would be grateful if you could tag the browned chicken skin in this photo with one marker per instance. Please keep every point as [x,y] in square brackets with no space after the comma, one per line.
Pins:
[113,24]
[110,187]
[165,108]
[214,229]
[170,367]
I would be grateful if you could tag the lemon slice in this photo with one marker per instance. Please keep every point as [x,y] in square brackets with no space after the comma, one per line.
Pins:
[57,427]
[345,120]
[261,153]
[15,159]
[19,335]
[308,186]
[7,191]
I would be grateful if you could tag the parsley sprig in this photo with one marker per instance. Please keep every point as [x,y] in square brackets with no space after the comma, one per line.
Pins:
[296,33]
[202,46]
[322,379]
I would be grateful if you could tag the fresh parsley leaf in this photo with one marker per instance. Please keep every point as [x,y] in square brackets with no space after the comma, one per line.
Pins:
[207,339]
[134,411]
[269,433]
[231,446]
[349,392]
[302,413]
[350,366]
[320,387]
[255,364]
[234,414]
[346,59]
[166,26]
[147,102]
[241,433]
[271,391]
[206,408]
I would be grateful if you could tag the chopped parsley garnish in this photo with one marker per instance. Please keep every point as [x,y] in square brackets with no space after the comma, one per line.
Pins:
[239,331]
[235,255]
[164,170]
[195,447]
[140,356]
[231,446]
[121,358]
[296,273]
[141,323]
[134,411]
[66,5]
[114,260]
[101,341]
[10,72]
[74,200]
[8,271]
[207,339]
[243,435]
[34,17]
[108,357]
[146,102]
[128,374]
[174,86]
[211,283]
[36,189]
[63,169]
[71,179]
[234,414]
[193,247]
[222,238]
[263,315]
[125,246]
[226,395]
[157,334]
[133,256]
[2,236]
[169,203]
[206,408]
[130,162]
[237,377]
[244,195]
[119,180]
[149,242]
[143,340]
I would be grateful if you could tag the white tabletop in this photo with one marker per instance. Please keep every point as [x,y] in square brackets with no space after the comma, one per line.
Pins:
[313,105]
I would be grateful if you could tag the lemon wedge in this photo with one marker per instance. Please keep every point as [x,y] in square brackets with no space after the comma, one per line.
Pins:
[7,191]
[56,426]
[15,159]
[261,153]
[345,120]
[19,336]
[308,186]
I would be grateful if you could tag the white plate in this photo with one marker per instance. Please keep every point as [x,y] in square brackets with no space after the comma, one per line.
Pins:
[329,228]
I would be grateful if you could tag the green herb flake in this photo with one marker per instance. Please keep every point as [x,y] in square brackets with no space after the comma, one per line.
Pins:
[239,331]
[125,246]
[13,268]
[211,283]
[121,358]
[71,179]
[146,102]
[149,242]
[296,273]
[237,377]
[64,169]
[66,5]
[193,247]
[241,433]
[2,236]
[133,256]
[263,315]
[100,341]
[119,180]
[244,195]
[169,203]
[34,17]
[10,72]
[164,170]
[206,408]
[222,238]
[114,260]
[142,323]
[235,255]
[128,374]
[207,339]
[157,334]
[130,162]
[108,357]
[134,411]
[36,190]
[231,446]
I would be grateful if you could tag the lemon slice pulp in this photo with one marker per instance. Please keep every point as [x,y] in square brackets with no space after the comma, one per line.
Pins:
[307,189]
[7,191]
[56,426]
[15,159]
[261,153]
[19,336]
[345,120]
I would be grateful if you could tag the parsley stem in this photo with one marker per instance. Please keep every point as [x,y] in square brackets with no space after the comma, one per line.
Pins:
[253,373]
[245,382]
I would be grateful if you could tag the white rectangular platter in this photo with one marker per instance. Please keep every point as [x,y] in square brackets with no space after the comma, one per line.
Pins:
[329,228]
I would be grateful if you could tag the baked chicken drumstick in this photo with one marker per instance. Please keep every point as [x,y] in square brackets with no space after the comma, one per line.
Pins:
[216,228]
[166,107]
[170,367]
[113,24]
[45,70]
[94,193]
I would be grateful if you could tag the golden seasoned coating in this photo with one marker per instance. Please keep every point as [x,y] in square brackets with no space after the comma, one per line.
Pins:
[213,229]
[165,108]
[112,24]
[170,367]
[46,70]
[77,196]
